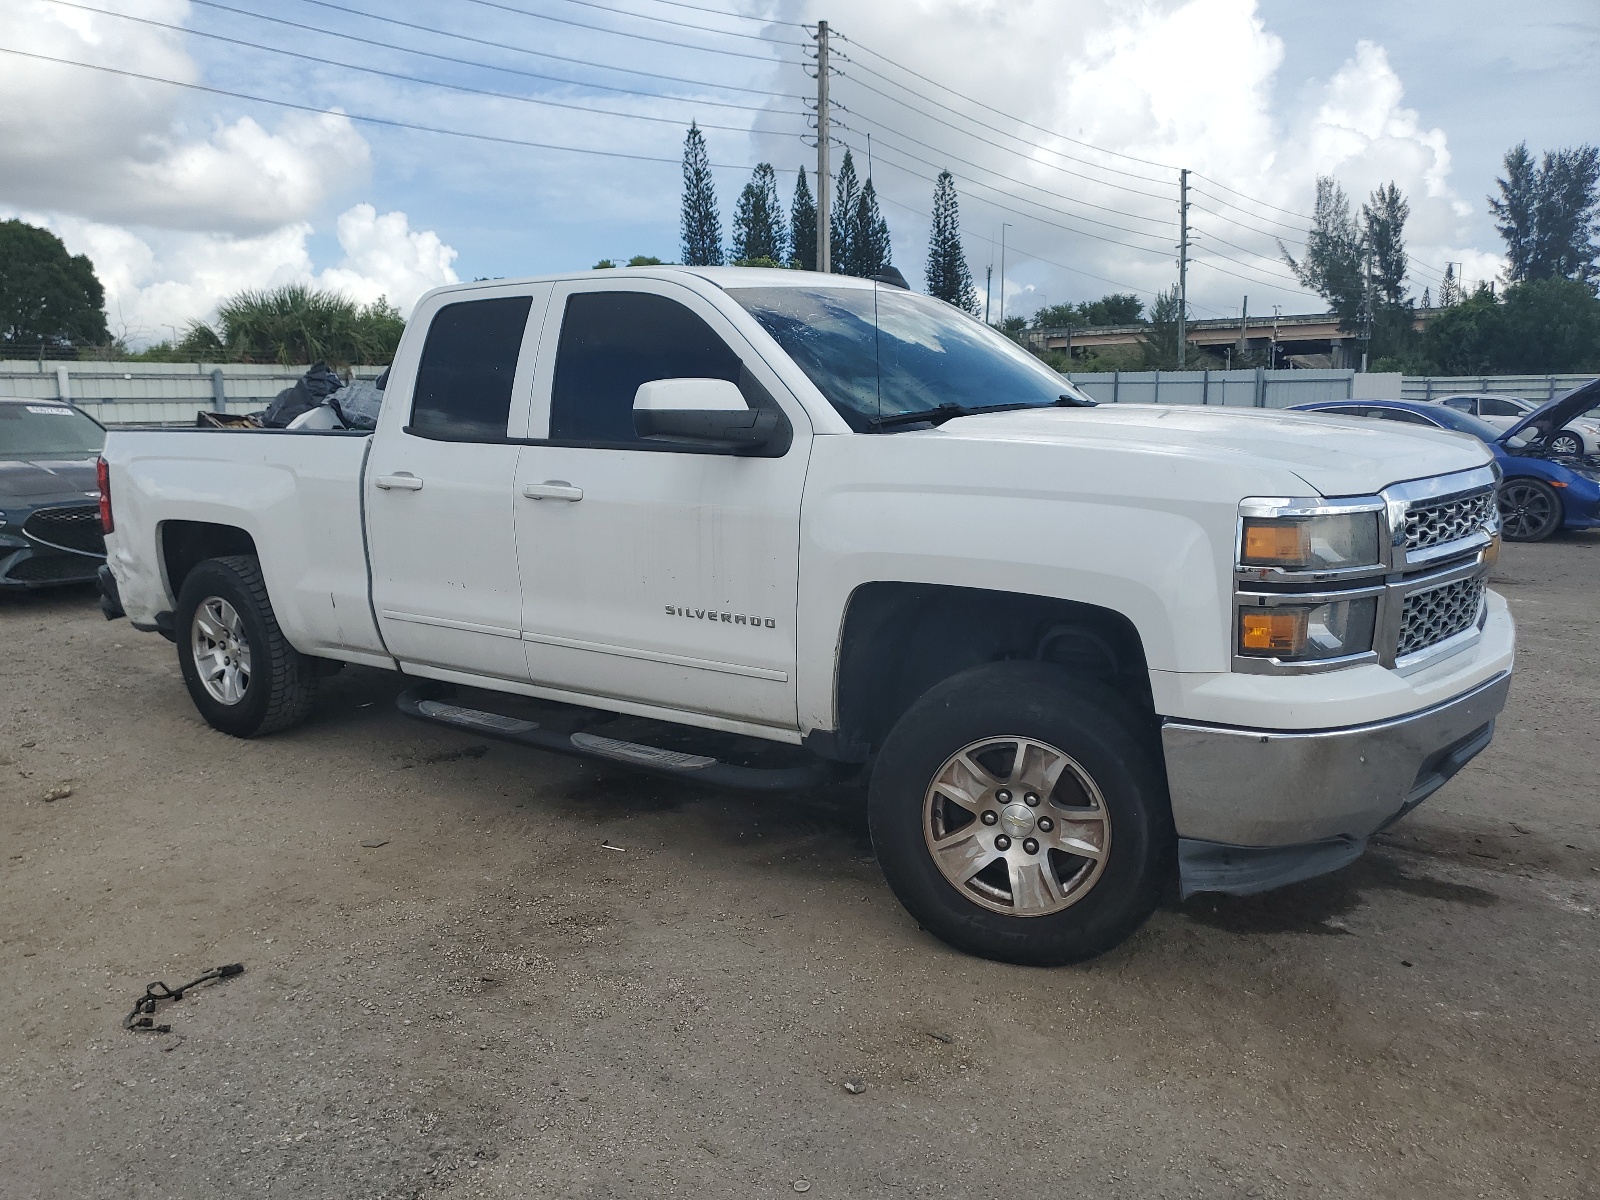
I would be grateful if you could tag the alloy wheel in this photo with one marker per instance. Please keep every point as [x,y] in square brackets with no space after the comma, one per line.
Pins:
[1526,510]
[1017,826]
[221,650]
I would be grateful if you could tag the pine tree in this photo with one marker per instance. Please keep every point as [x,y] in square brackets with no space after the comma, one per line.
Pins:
[869,236]
[1332,265]
[1383,223]
[1516,208]
[702,227]
[803,226]
[1450,288]
[948,276]
[1549,214]
[758,225]
[1427,298]
[842,218]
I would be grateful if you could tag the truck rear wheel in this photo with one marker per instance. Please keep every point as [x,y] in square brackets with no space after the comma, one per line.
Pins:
[1020,815]
[242,673]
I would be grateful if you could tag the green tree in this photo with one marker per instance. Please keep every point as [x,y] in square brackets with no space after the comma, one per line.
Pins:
[1117,308]
[803,226]
[47,295]
[605,264]
[644,260]
[869,236]
[1332,264]
[842,217]
[1159,344]
[1383,227]
[298,324]
[1465,338]
[1542,326]
[758,224]
[701,226]
[948,276]
[1450,288]
[1549,214]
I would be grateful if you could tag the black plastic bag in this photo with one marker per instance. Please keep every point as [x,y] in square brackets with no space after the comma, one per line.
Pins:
[358,404]
[310,390]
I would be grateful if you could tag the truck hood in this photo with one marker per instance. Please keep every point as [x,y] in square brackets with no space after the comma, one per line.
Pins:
[1335,456]
[1549,417]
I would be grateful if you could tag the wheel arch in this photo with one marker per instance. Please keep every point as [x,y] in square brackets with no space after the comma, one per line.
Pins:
[898,640]
[187,544]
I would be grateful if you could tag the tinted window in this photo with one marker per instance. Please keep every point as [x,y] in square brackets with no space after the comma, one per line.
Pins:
[47,430]
[1490,407]
[881,352]
[463,391]
[1400,414]
[1460,403]
[611,342]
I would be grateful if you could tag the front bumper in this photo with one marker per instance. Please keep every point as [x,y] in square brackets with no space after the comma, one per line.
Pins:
[1258,808]
[30,566]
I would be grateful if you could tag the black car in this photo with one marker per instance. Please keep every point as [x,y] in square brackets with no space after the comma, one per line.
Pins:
[49,497]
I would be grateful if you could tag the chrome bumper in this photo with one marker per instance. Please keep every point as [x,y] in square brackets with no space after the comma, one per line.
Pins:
[1260,788]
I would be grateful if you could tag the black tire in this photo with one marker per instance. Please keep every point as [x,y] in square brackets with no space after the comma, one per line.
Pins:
[1102,734]
[281,686]
[1530,510]
[1565,441]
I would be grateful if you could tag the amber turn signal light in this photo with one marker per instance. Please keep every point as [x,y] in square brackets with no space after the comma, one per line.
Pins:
[1273,631]
[1277,543]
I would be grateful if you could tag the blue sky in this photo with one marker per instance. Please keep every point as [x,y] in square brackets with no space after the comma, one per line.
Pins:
[182,196]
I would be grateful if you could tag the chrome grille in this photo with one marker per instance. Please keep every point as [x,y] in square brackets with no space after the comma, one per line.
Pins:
[1431,616]
[76,529]
[1437,524]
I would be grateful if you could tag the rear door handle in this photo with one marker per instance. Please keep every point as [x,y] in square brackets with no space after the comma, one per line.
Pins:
[552,489]
[405,481]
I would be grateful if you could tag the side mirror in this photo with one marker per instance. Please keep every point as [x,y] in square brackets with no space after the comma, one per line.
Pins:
[706,413]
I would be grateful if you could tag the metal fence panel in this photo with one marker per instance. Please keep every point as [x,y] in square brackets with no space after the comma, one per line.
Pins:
[1538,388]
[1250,388]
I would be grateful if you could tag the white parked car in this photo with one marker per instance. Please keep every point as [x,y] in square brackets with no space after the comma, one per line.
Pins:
[1579,436]
[763,528]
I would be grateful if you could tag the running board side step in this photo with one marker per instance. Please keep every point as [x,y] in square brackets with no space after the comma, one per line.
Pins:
[674,763]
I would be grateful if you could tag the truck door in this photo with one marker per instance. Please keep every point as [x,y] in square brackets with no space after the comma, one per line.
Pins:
[656,573]
[439,487]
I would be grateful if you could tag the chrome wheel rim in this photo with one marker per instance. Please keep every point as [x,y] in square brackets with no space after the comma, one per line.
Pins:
[221,651]
[1566,443]
[1017,826]
[1525,511]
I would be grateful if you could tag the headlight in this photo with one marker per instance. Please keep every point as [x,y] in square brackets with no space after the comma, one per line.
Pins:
[1308,632]
[1325,543]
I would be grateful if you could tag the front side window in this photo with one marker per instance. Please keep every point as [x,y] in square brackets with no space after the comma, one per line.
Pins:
[881,352]
[1460,403]
[463,391]
[48,431]
[611,342]
[1492,407]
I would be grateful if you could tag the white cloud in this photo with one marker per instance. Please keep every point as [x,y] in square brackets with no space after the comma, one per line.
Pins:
[158,283]
[114,148]
[1192,83]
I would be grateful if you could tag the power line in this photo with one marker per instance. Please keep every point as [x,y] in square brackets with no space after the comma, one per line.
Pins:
[622,12]
[455,87]
[1246,195]
[388,122]
[467,62]
[740,16]
[642,37]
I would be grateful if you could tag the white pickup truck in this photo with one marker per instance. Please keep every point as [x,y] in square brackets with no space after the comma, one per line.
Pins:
[765,528]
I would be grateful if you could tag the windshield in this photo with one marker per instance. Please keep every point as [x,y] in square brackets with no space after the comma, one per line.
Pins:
[48,431]
[882,352]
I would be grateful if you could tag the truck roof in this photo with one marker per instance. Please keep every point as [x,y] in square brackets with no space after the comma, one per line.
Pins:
[723,277]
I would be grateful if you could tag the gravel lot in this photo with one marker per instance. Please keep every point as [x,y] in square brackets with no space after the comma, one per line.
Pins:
[555,979]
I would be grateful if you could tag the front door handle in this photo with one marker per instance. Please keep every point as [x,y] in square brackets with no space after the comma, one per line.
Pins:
[405,481]
[552,489]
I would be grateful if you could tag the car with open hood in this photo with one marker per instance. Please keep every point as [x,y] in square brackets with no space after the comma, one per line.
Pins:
[1543,489]
[1579,435]
[49,495]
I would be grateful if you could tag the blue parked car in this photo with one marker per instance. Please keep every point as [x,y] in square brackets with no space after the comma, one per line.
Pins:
[1542,491]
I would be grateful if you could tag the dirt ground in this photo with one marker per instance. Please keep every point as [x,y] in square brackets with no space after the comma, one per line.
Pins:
[479,970]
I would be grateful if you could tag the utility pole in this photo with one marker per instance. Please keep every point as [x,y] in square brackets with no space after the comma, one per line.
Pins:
[988,279]
[1366,314]
[1004,226]
[824,176]
[1183,263]
[1244,325]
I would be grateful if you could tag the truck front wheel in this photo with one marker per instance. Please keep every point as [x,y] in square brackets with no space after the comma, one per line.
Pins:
[242,673]
[1020,815]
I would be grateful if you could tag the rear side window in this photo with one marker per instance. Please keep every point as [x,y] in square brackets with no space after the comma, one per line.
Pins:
[1400,414]
[611,342]
[1491,407]
[463,391]
[1460,403]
